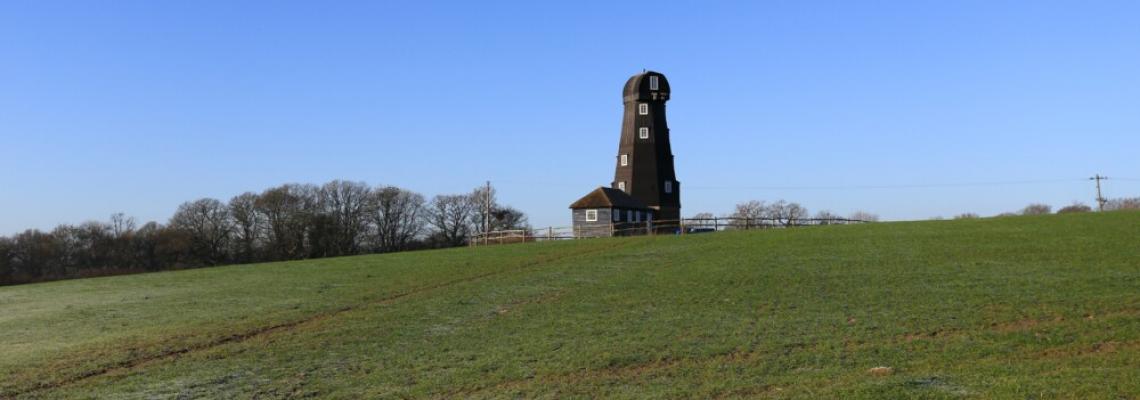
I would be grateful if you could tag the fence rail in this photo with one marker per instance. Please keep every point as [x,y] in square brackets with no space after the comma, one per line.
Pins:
[685,226]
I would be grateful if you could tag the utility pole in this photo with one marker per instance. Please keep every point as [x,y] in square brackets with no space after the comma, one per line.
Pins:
[487,212]
[1100,200]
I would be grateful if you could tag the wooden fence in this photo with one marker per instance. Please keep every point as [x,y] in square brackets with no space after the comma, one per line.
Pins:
[686,226]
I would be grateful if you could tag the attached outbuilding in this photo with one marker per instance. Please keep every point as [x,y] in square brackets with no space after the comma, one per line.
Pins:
[610,212]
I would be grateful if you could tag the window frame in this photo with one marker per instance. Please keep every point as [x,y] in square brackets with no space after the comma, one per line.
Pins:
[643,132]
[642,108]
[621,186]
[653,84]
[615,215]
[593,211]
[668,187]
[625,160]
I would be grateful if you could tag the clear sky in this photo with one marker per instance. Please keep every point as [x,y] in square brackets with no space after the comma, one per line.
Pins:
[909,109]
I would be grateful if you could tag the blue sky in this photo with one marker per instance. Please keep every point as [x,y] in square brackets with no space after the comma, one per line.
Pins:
[904,109]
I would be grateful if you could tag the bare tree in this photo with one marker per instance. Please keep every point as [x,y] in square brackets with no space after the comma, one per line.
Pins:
[825,217]
[145,247]
[749,215]
[75,247]
[1036,209]
[285,211]
[967,215]
[864,216]
[121,229]
[207,223]
[347,204]
[315,231]
[33,255]
[121,224]
[7,271]
[249,225]
[89,246]
[449,216]
[1128,203]
[483,204]
[787,214]
[397,217]
[702,220]
[488,215]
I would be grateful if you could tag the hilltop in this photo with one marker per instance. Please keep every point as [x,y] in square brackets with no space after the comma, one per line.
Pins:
[1020,307]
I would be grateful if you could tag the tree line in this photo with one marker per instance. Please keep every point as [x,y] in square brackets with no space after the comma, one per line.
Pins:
[287,222]
[1118,204]
[791,213]
[756,213]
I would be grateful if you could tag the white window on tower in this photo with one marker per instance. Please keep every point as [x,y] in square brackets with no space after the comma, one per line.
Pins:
[643,132]
[624,160]
[591,215]
[653,83]
[668,186]
[643,109]
[621,186]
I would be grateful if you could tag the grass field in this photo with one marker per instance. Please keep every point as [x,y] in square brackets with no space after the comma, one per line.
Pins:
[1025,307]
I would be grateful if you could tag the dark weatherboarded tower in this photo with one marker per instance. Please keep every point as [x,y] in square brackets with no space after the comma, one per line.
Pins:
[645,159]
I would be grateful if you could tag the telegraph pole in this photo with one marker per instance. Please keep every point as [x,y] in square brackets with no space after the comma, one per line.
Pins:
[487,213]
[1100,200]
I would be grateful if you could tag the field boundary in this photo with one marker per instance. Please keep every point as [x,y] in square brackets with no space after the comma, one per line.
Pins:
[684,226]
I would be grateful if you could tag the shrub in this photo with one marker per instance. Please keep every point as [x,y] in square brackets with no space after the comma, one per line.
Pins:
[1128,203]
[1036,209]
[1076,207]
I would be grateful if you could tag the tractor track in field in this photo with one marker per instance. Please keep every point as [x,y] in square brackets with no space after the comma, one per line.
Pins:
[137,362]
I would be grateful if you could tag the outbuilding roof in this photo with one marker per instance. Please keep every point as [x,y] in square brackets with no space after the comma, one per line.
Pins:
[604,197]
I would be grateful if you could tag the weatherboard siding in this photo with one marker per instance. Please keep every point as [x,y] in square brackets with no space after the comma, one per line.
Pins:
[599,228]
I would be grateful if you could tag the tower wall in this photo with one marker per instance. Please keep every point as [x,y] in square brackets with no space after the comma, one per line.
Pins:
[648,173]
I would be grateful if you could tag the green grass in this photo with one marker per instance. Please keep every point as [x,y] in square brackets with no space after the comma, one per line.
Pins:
[1033,307]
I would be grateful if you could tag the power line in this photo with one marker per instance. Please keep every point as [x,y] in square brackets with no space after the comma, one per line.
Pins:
[841,187]
[900,186]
